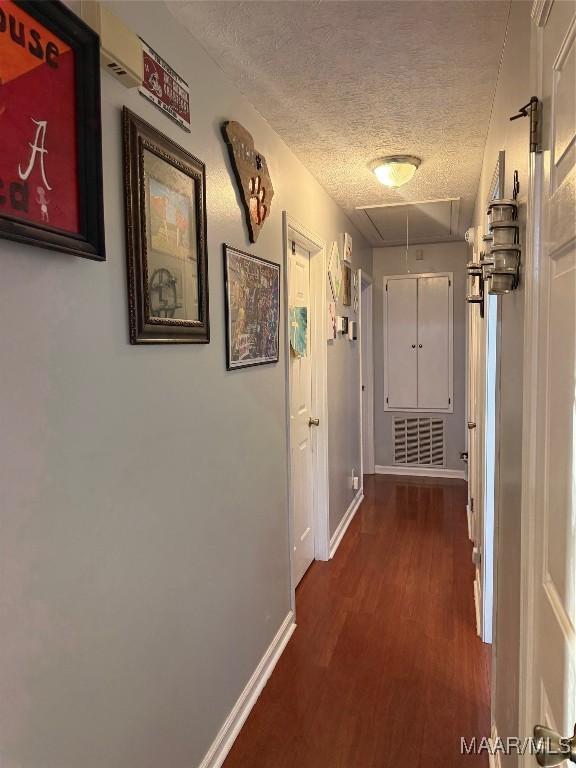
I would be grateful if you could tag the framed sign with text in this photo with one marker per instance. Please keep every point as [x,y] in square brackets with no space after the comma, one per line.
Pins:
[51,147]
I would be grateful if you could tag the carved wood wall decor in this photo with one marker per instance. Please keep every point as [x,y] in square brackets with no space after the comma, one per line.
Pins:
[252,177]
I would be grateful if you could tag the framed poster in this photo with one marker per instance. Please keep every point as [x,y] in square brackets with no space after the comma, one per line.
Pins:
[252,302]
[165,204]
[51,148]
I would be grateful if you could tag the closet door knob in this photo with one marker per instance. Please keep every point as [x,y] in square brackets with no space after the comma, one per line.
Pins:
[420,346]
[413,346]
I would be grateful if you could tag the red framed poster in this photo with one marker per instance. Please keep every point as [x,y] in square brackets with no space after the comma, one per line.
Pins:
[50,150]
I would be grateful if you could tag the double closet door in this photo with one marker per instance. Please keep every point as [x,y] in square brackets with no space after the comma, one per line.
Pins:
[418,341]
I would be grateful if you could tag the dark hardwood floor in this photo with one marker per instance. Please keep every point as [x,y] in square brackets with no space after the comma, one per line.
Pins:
[385,669]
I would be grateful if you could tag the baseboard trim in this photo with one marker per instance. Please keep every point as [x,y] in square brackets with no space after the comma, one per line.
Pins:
[235,720]
[477,607]
[412,471]
[345,522]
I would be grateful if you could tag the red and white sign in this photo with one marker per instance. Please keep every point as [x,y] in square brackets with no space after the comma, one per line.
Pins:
[165,88]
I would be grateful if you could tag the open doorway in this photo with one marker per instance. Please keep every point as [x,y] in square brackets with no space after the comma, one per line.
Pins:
[366,375]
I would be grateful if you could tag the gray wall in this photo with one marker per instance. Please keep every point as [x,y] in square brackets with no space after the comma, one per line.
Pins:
[144,525]
[513,86]
[439,257]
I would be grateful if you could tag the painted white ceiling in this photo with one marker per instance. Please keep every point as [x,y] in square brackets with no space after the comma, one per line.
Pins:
[346,82]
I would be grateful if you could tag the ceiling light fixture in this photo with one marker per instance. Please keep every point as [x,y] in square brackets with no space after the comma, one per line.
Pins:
[396,170]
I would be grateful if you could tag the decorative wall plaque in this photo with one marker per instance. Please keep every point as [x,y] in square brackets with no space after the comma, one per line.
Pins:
[252,177]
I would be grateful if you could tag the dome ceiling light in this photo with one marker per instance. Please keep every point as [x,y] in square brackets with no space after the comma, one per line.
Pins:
[395,170]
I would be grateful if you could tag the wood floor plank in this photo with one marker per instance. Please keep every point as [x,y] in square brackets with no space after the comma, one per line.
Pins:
[385,668]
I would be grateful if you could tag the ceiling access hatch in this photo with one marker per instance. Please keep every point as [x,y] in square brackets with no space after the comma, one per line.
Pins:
[431,221]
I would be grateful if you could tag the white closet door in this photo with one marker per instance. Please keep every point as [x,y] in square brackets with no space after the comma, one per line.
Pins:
[402,358]
[433,342]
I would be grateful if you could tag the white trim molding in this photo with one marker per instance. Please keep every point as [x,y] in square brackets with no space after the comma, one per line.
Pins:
[540,11]
[345,522]
[237,717]
[416,471]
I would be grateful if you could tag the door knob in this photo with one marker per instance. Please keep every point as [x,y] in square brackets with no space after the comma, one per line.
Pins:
[313,422]
[471,425]
[553,749]
[413,346]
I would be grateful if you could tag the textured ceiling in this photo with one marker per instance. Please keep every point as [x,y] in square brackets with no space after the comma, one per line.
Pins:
[346,82]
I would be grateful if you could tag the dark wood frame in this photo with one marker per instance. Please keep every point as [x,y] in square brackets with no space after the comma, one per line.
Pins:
[138,136]
[56,17]
[236,367]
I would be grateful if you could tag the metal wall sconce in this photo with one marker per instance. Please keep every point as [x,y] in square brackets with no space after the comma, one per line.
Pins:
[502,268]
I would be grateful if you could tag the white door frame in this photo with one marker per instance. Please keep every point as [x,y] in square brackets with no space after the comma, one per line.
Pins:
[367,463]
[293,231]
[530,467]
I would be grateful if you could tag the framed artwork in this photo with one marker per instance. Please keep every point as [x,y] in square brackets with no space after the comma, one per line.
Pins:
[252,303]
[346,284]
[51,147]
[335,271]
[167,263]
[346,247]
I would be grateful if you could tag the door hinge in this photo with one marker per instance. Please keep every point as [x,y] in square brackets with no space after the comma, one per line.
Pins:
[293,247]
[386,400]
[386,287]
[449,282]
[449,401]
[533,110]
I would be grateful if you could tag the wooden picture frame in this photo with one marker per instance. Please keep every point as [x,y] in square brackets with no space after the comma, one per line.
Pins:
[165,200]
[346,284]
[252,308]
[51,149]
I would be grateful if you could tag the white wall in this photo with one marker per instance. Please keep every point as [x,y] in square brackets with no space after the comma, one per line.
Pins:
[143,490]
[513,90]
[439,257]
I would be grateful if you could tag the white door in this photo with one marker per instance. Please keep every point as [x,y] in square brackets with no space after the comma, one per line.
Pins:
[367,378]
[475,464]
[402,339]
[433,342]
[551,493]
[302,467]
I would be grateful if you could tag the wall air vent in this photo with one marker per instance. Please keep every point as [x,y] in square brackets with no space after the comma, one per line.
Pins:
[419,441]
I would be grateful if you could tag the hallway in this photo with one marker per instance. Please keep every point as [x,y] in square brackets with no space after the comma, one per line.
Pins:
[385,656]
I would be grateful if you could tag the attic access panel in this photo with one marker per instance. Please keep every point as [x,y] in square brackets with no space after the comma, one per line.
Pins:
[428,222]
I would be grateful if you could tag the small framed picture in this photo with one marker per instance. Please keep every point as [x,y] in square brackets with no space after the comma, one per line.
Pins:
[51,147]
[166,238]
[346,284]
[335,271]
[346,246]
[252,304]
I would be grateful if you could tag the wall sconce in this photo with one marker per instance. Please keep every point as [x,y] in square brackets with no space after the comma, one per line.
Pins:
[475,288]
[503,266]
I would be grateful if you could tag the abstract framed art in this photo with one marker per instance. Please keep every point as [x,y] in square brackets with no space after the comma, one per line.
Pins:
[165,202]
[252,303]
[51,148]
